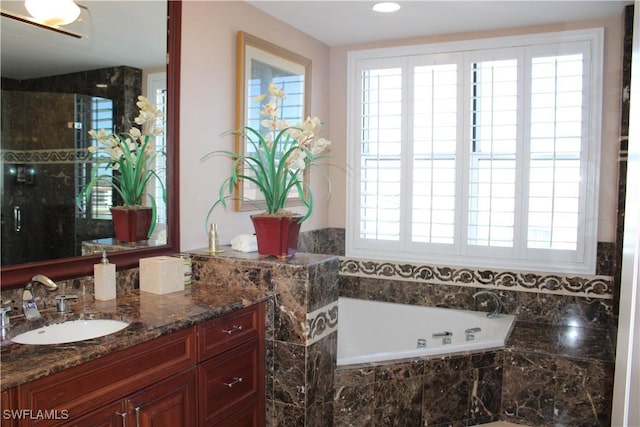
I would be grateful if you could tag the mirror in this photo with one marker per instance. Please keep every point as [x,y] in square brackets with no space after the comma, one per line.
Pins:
[261,63]
[64,268]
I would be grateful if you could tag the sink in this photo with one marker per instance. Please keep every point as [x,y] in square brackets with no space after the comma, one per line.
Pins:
[71,331]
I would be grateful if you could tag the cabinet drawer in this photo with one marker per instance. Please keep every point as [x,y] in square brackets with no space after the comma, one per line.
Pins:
[85,387]
[229,382]
[252,416]
[218,335]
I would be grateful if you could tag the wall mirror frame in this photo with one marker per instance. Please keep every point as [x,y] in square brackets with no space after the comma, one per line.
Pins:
[259,63]
[65,268]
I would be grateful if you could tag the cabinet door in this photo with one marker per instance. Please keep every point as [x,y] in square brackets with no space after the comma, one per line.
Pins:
[108,416]
[8,404]
[169,403]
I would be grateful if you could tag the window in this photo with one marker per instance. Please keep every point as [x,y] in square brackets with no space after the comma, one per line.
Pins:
[99,115]
[157,89]
[478,153]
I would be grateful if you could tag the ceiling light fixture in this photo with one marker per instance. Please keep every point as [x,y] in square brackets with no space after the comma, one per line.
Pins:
[53,12]
[386,7]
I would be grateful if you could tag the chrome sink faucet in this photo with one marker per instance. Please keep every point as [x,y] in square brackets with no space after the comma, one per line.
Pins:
[5,320]
[29,306]
[496,312]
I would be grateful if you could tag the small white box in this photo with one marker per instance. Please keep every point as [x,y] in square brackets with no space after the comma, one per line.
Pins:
[161,274]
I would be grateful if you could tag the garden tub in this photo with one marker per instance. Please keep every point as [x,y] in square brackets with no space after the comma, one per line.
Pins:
[373,331]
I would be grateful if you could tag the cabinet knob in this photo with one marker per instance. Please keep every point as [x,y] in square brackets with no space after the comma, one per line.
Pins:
[235,328]
[137,409]
[124,418]
[236,380]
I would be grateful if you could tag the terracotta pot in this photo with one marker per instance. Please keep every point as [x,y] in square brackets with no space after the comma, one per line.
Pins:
[131,224]
[277,235]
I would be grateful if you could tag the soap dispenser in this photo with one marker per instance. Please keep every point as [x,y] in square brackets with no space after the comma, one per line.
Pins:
[104,275]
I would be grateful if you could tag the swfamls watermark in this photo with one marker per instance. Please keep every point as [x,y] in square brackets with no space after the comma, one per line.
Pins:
[31,414]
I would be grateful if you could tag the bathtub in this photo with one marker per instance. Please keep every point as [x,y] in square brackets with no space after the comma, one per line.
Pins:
[372,331]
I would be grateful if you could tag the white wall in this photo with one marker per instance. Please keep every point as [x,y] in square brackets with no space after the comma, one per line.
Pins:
[208,82]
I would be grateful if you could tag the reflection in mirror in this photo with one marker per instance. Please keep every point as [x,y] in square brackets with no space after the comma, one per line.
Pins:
[259,64]
[46,114]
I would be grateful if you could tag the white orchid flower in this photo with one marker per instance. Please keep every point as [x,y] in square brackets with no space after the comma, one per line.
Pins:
[276,91]
[270,109]
[143,103]
[100,135]
[135,133]
[281,124]
[270,124]
[259,98]
[296,160]
[319,145]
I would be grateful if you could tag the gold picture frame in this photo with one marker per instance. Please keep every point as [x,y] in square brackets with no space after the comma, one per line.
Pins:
[258,64]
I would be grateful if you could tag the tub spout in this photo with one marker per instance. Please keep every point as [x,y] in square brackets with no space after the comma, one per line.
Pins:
[498,309]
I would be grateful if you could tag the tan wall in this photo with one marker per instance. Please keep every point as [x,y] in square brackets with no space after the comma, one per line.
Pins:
[208,109]
[208,81]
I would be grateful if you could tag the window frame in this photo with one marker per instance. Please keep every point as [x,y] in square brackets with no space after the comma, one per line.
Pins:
[583,260]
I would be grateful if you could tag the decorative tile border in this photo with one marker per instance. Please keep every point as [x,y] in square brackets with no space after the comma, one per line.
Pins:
[553,283]
[59,155]
[322,322]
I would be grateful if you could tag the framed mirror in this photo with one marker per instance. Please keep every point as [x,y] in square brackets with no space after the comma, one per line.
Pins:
[68,267]
[259,64]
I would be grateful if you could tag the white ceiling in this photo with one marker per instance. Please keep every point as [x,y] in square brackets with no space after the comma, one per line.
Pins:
[117,33]
[341,22]
[132,32]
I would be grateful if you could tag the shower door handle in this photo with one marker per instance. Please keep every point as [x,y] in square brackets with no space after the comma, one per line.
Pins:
[17,219]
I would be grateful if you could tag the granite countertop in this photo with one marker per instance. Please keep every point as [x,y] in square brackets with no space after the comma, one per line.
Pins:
[150,316]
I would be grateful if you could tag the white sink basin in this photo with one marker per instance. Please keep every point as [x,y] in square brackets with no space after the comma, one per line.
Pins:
[71,331]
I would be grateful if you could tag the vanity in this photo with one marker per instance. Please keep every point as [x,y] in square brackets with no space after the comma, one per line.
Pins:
[187,358]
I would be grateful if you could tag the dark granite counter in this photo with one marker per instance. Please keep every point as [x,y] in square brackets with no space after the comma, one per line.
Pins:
[149,315]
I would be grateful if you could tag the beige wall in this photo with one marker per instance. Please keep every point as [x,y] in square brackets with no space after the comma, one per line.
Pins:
[208,84]
[208,108]
[610,127]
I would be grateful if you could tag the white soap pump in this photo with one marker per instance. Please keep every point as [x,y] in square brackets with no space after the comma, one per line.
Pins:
[104,275]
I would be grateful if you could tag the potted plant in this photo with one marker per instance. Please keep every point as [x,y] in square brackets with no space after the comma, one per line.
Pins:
[131,158]
[275,164]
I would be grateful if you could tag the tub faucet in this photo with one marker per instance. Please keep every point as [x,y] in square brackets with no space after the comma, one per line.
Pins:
[29,306]
[499,306]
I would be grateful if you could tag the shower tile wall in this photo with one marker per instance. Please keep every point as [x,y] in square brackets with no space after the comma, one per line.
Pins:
[36,137]
[37,198]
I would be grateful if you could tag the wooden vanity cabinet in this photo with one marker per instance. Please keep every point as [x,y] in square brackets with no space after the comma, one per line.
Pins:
[75,393]
[231,369]
[211,374]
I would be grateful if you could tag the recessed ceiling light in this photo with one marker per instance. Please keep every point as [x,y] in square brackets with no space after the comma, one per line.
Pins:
[386,7]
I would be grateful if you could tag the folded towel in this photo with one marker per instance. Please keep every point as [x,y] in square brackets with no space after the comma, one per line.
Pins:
[244,243]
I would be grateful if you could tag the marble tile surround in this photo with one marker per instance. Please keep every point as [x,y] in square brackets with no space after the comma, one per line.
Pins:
[302,327]
[300,395]
[458,390]
[549,283]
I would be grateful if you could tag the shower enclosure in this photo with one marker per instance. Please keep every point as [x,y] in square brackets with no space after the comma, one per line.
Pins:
[44,166]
